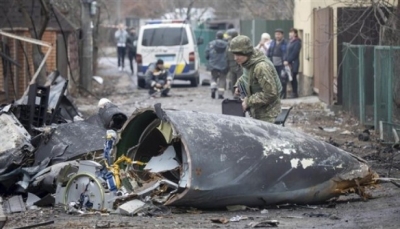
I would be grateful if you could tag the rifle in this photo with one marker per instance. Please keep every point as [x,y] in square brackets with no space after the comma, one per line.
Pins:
[243,94]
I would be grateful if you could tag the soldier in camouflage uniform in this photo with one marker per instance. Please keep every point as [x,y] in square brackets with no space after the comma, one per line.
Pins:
[259,80]
[235,70]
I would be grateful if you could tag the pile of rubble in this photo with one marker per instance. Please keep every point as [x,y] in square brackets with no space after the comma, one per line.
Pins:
[51,155]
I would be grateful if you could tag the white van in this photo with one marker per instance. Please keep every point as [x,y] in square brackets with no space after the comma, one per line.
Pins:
[172,41]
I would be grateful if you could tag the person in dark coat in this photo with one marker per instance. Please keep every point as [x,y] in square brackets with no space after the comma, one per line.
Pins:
[292,59]
[131,44]
[277,54]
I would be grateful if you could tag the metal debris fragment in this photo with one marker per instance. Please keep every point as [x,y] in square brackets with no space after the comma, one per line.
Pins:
[14,204]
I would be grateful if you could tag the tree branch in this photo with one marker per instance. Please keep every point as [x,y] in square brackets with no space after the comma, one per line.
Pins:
[46,16]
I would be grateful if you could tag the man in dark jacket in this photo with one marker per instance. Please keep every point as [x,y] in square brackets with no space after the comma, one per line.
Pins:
[277,54]
[131,44]
[235,70]
[292,58]
[218,64]
[158,79]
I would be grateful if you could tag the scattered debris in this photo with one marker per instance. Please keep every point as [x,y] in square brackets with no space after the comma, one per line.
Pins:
[238,218]
[32,199]
[46,201]
[329,129]
[37,225]
[98,79]
[194,211]
[346,132]
[266,223]
[132,207]
[264,211]
[292,217]
[220,220]
[319,215]
[364,136]
[234,208]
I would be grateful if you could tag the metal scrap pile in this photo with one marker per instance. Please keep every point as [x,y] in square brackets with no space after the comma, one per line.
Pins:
[43,135]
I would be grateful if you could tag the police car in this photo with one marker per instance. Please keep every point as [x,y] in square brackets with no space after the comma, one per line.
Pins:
[172,41]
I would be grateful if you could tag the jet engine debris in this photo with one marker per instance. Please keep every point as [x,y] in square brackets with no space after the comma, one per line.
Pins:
[218,161]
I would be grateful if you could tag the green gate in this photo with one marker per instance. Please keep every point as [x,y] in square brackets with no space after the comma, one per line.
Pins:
[207,36]
[371,76]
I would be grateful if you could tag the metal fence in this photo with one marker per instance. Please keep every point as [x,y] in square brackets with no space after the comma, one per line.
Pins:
[371,83]
[207,35]
[254,28]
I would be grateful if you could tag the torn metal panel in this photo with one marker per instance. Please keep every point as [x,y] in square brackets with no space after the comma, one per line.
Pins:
[132,207]
[165,162]
[14,204]
[45,181]
[15,143]
[238,161]
[69,141]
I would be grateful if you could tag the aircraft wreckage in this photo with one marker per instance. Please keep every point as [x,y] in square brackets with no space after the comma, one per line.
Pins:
[204,160]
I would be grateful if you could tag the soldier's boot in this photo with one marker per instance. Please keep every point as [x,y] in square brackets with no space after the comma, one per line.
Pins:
[221,93]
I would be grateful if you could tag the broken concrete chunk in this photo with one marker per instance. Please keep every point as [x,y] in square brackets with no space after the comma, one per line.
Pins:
[132,207]
[14,204]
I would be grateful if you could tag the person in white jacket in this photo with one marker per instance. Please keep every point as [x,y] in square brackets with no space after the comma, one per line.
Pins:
[121,35]
[265,41]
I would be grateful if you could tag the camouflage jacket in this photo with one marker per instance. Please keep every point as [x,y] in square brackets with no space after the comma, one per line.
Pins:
[263,87]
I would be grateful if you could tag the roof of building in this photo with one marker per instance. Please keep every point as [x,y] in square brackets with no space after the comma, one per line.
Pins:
[12,18]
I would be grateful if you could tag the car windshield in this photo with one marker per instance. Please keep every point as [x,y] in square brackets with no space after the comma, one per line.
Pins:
[164,37]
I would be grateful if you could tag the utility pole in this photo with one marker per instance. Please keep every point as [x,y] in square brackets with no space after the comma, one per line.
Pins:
[86,66]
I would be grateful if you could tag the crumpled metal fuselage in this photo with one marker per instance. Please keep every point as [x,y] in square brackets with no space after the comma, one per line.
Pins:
[229,160]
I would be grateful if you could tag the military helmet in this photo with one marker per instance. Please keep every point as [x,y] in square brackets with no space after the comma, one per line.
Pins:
[232,33]
[220,35]
[241,44]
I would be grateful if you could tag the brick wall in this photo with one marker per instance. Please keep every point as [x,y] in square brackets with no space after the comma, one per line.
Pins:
[22,76]
[73,55]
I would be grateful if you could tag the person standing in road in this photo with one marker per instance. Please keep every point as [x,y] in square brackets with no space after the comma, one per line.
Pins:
[260,81]
[218,64]
[277,54]
[235,70]
[131,44]
[292,59]
[264,44]
[121,36]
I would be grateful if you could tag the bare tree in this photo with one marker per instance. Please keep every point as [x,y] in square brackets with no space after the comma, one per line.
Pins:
[36,29]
